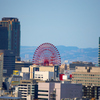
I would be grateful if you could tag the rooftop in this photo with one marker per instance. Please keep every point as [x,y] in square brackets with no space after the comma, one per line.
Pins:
[10,97]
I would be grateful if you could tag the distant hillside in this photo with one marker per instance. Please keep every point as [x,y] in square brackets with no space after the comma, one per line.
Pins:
[69,53]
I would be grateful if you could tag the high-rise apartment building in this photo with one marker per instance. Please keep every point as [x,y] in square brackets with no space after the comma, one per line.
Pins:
[99,54]
[10,33]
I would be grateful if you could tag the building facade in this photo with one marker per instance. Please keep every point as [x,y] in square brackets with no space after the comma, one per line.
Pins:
[12,33]
[54,69]
[99,54]
[79,63]
[1,70]
[25,73]
[88,76]
[43,75]
[11,98]
[8,62]
[58,91]
[91,92]
[20,64]
[3,38]
[28,87]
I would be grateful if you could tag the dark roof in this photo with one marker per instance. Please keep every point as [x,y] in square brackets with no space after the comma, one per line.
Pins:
[8,18]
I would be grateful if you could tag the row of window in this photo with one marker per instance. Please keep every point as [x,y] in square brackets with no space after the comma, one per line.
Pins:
[43,94]
[87,80]
[86,75]
[4,24]
[38,77]
[42,90]
[43,98]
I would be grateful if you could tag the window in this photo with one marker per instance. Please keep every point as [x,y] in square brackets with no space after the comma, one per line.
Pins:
[43,98]
[42,90]
[43,94]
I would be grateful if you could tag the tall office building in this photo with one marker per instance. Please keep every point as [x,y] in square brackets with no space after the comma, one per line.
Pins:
[7,62]
[3,38]
[10,33]
[99,54]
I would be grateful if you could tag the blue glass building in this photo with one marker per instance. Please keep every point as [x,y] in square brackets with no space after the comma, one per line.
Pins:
[10,33]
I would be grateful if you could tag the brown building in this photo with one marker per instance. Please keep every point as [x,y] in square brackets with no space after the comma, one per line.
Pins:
[89,77]
[12,35]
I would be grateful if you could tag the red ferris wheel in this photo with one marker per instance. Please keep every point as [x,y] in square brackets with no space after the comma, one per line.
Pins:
[47,55]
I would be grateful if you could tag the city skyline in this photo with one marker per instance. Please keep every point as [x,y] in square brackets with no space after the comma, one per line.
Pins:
[68,23]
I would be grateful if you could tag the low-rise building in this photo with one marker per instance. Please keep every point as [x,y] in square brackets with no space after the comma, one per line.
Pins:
[80,64]
[54,69]
[56,90]
[20,64]
[25,73]
[43,75]
[28,87]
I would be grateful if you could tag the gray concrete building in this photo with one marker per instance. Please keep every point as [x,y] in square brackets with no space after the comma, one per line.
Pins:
[57,90]
[1,70]
[28,87]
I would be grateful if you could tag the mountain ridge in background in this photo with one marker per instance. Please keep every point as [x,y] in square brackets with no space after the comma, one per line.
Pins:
[70,53]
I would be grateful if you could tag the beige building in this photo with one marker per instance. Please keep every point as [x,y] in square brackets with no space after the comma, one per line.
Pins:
[43,75]
[89,76]
[34,68]
[63,67]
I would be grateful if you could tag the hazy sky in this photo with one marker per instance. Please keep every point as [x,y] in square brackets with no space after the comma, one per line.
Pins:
[60,22]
